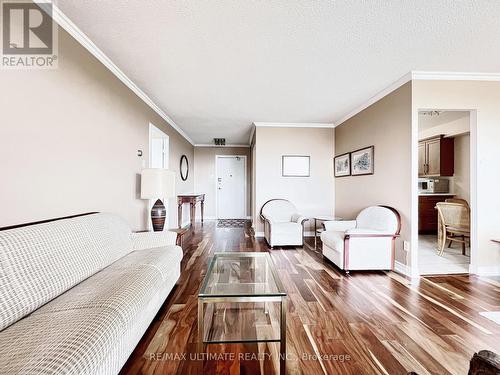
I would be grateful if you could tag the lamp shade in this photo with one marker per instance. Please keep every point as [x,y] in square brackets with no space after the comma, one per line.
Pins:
[157,183]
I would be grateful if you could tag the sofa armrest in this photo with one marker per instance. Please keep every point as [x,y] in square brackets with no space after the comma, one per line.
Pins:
[148,240]
[266,218]
[360,232]
[339,225]
[297,218]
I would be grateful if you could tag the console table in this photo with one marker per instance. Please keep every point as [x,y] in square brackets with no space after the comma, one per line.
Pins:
[192,199]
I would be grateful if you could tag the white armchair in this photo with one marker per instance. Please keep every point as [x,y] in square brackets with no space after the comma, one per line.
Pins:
[283,226]
[366,243]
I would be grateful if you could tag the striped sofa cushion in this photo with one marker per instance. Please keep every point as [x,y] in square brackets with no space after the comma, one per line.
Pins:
[39,262]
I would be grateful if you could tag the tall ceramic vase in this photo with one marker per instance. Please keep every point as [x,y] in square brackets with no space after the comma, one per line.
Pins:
[158,214]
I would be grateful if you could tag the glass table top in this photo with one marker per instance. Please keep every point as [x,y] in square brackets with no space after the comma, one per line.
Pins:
[241,274]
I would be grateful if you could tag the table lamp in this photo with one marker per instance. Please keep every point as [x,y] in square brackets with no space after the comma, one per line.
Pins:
[157,183]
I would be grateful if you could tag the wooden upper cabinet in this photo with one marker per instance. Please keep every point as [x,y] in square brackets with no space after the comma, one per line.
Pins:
[436,157]
[421,159]
[433,157]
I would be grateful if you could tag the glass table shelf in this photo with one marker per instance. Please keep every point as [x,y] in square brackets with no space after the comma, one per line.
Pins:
[242,300]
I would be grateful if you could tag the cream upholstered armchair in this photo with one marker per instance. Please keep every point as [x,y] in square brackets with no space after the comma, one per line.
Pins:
[366,243]
[283,226]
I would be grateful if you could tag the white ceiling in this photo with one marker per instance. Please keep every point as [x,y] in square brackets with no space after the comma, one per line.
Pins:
[217,66]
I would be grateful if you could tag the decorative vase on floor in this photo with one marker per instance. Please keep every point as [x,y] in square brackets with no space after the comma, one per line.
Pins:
[158,214]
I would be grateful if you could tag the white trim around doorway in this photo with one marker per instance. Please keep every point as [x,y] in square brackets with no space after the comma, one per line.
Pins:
[414,269]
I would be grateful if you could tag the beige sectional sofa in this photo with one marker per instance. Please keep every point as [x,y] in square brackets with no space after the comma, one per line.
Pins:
[76,295]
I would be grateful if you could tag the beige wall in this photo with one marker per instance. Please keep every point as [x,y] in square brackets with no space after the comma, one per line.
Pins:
[386,124]
[312,195]
[460,182]
[68,142]
[204,159]
[482,97]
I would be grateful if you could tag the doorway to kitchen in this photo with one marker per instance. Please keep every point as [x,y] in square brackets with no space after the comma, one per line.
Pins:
[444,192]
[231,183]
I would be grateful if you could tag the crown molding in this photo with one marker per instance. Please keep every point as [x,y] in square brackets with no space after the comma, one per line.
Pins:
[418,75]
[392,87]
[455,76]
[63,21]
[293,125]
[225,146]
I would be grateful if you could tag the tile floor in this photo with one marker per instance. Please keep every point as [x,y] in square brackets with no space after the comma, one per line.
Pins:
[452,261]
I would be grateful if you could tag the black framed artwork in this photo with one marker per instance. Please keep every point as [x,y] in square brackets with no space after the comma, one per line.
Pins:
[362,161]
[342,165]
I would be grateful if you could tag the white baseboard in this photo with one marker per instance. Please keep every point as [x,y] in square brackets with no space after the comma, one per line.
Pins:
[488,271]
[442,269]
[402,268]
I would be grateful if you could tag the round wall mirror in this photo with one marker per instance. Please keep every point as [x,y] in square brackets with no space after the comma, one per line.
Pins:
[184,167]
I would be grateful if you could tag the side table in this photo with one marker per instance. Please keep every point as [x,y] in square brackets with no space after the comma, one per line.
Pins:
[180,234]
[321,218]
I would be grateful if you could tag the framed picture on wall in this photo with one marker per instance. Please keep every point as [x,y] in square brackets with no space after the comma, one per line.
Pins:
[295,166]
[342,165]
[362,161]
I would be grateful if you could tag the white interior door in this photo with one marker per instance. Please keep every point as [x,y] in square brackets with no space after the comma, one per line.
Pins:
[159,158]
[231,185]
[159,153]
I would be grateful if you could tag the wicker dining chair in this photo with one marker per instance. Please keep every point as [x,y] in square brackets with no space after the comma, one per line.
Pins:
[459,201]
[454,219]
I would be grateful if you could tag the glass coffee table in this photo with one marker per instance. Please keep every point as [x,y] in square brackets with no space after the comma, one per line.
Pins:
[242,300]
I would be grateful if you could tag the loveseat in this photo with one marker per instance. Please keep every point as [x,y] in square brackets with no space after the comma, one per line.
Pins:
[366,243]
[77,294]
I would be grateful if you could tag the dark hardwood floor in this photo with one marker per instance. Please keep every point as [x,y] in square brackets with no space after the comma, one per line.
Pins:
[364,323]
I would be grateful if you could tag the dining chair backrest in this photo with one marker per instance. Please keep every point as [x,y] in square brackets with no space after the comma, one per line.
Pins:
[454,214]
[459,201]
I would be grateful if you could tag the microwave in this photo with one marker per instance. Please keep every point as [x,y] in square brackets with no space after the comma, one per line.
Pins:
[433,185]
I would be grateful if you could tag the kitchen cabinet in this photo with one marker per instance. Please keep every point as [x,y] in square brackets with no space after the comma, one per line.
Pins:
[427,213]
[421,159]
[436,157]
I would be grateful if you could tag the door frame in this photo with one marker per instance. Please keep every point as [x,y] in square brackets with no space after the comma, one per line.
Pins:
[153,128]
[414,266]
[216,180]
